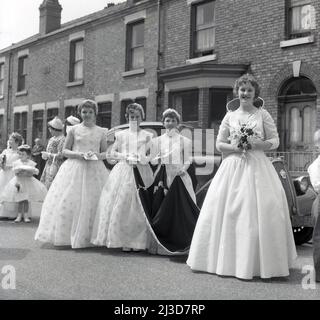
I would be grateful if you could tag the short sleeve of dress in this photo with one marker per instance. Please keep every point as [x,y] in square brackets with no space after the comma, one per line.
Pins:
[270,130]
[224,130]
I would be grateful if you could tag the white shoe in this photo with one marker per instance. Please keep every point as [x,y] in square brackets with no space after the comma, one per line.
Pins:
[26,219]
[19,218]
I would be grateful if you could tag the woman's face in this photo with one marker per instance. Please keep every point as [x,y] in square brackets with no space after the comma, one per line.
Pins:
[170,123]
[134,117]
[12,143]
[88,115]
[246,93]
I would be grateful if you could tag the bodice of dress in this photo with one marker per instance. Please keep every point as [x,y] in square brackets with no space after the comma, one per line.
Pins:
[55,144]
[172,149]
[87,138]
[132,142]
[260,121]
[11,156]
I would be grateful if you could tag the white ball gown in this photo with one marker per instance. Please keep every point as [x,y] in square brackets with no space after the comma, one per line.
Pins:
[69,209]
[244,227]
[21,188]
[121,220]
[6,174]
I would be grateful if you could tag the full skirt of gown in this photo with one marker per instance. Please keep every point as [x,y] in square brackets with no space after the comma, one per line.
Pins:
[6,208]
[121,220]
[244,227]
[69,209]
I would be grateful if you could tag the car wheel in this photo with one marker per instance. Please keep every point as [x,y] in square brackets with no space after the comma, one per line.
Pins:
[302,234]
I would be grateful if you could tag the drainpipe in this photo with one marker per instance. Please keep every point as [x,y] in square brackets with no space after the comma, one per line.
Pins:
[159,53]
[9,97]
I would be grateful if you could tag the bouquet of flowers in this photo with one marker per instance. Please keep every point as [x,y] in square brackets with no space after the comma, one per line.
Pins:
[244,135]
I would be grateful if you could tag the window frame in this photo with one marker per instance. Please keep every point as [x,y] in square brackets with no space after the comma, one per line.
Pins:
[22,76]
[290,35]
[194,52]
[2,67]
[129,45]
[172,95]
[104,114]
[19,125]
[37,119]
[73,61]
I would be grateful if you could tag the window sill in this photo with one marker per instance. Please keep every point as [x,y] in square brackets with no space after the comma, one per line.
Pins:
[75,83]
[296,42]
[1,97]
[210,57]
[133,72]
[21,93]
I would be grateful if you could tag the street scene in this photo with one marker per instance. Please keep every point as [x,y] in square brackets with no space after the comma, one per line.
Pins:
[44,272]
[160,150]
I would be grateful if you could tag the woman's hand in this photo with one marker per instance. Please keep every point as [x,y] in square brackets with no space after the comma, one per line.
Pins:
[181,172]
[45,155]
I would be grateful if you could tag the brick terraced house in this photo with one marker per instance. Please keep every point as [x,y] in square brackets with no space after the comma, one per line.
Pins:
[180,53]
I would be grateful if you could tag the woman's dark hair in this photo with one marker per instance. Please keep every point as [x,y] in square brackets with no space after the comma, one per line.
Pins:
[26,148]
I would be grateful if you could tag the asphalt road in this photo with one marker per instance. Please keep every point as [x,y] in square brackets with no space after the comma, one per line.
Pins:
[45,272]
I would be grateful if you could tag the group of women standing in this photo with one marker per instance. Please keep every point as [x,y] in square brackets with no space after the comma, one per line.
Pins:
[243,229]
[87,206]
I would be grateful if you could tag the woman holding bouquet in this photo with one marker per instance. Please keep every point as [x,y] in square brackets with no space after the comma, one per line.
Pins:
[244,227]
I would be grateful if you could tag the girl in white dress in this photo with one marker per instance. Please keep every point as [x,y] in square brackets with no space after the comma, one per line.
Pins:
[23,188]
[174,199]
[7,157]
[244,227]
[70,207]
[120,220]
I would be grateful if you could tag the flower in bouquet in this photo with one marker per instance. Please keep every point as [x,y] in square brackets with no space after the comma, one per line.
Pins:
[244,135]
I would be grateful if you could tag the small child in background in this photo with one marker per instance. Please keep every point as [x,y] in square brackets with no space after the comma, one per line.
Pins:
[314,173]
[23,187]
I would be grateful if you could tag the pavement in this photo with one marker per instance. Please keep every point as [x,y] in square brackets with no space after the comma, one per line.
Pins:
[45,272]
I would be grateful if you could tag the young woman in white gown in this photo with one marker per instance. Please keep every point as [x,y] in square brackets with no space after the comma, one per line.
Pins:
[174,211]
[70,206]
[121,221]
[7,158]
[244,228]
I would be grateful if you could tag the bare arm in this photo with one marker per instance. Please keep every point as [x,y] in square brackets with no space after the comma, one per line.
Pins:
[67,149]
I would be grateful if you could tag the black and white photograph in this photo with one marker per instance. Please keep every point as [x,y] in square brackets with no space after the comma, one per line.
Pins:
[161,151]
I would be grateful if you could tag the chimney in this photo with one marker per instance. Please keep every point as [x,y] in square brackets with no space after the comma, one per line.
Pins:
[50,16]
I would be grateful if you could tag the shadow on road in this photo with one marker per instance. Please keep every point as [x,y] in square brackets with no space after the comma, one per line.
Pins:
[13,253]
